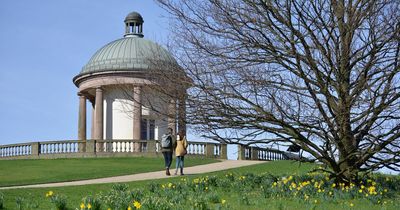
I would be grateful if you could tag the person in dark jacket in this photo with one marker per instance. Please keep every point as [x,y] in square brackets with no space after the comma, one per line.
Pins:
[167,151]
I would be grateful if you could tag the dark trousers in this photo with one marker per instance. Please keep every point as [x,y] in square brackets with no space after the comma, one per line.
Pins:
[167,159]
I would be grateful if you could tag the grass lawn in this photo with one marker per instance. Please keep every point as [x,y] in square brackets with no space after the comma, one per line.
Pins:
[23,172]
[235,195]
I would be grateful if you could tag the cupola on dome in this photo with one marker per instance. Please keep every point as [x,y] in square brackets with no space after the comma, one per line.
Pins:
[130,53]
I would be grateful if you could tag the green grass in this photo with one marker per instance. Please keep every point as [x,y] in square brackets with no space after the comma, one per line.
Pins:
[76,193]
[233,199]
[24,172]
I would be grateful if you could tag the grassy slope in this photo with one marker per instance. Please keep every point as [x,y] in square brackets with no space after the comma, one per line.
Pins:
[279,168]
[75,194]
[22,172]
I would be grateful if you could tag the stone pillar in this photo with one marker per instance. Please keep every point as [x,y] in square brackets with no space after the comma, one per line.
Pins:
[98,127]
[254,153]
[137,112]
[224,151]
[93,122]
[137,117]
[35,149]
[241,152]
[182,114]
[82,117]
[172,116]
[209,150]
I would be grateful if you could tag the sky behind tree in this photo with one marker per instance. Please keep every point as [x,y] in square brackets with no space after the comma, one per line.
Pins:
[43,45]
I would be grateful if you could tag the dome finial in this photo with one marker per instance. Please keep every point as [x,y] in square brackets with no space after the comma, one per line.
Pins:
[133,25]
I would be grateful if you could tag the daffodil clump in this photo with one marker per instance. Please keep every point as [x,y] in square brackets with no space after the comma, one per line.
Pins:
[59,201]
[320,186]
[245,191]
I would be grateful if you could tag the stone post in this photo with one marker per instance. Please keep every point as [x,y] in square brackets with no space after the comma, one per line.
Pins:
[241,152]
[254,153]
[98,129]
[35,150]
[90,146]
[151,147]
[82,146]
[224,151]
[209,150]
[82,117]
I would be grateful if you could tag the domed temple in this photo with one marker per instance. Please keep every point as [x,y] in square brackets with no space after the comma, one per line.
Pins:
[120,82]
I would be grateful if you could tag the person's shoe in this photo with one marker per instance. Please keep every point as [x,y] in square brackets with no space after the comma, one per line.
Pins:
[182,172]
[167,172]
[176,173]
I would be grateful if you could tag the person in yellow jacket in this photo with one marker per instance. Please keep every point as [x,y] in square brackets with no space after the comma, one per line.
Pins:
[180,151]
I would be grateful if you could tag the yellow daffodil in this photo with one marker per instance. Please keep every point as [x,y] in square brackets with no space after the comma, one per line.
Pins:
[137,204]
[129,208]
[223,201]
[89,206]
[82,206]
[49,194]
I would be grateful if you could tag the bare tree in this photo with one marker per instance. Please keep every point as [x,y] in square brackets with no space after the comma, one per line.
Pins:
[321,74]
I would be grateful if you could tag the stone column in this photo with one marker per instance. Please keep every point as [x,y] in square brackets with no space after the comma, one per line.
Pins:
[82,117]
[182,114]
[93,121]
[137,116]
[137,112]
[172,116]
[98,127]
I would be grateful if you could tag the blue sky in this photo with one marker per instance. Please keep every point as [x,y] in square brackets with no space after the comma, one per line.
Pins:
[43,45]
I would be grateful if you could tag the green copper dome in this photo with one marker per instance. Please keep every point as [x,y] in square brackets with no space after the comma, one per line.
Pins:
[131,53]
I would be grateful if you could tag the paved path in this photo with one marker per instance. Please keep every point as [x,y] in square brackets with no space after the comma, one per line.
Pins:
[219,166]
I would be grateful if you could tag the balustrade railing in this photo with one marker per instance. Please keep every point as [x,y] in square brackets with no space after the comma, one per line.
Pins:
[257,153]
[87,148]
[15,150]
[59,147]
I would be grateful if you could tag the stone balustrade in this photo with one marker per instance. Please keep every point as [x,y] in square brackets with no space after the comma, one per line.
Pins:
[94,148]
[257,153]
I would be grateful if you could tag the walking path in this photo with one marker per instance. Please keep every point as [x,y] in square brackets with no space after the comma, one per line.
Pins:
[219,166]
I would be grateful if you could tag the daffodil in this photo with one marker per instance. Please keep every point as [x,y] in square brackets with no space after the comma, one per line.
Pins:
[89,206]
[49,194]
[137,204]
[223,201]
[82,206]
